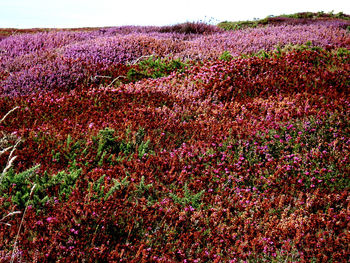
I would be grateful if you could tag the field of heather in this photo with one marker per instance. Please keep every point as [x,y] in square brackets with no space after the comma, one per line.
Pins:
[184,143]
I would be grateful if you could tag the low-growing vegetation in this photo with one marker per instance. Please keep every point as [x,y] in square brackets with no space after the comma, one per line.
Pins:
[297,18]
[145,144]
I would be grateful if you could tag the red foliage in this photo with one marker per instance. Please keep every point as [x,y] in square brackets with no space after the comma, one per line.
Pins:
[266,139]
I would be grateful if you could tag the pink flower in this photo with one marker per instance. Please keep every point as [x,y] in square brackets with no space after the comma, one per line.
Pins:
[189,208]
[50,219]
[40,223]
[74,231]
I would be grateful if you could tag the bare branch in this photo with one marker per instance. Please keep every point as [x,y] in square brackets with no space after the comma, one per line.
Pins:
[10,159]
[8,166]
[140,58]
[3,118]
[14,147]
[20,226]
[5,150]
[10,214]
[99,76]
[7,224]
[114,80]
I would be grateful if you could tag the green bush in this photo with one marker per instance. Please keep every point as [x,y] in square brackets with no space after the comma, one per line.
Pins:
[193,200]
[18,186]
[226,56]
[155,68]
[226,25]
[109,144]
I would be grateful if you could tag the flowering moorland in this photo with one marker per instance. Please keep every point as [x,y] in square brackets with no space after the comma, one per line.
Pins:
[236,150]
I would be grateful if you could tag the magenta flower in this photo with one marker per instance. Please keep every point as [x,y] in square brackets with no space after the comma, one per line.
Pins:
[50,219]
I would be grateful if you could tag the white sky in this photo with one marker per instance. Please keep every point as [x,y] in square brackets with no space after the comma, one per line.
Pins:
[98,13]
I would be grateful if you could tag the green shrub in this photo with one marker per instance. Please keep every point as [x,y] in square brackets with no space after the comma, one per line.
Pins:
[18,186]
[193,200]
[226,56]
[143,189]
[155,68]
[226,25]
[109,144]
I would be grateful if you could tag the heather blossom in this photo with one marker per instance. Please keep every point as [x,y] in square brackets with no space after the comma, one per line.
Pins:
[189,165]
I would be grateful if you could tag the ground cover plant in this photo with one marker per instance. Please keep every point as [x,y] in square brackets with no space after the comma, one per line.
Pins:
[297,18]
[176,144]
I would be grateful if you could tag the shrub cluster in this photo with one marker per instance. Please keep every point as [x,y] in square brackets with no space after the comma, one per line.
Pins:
[64,60]
[190,28]
[339,20]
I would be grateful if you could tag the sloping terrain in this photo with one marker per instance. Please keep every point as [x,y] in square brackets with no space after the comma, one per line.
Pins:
[188,143]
